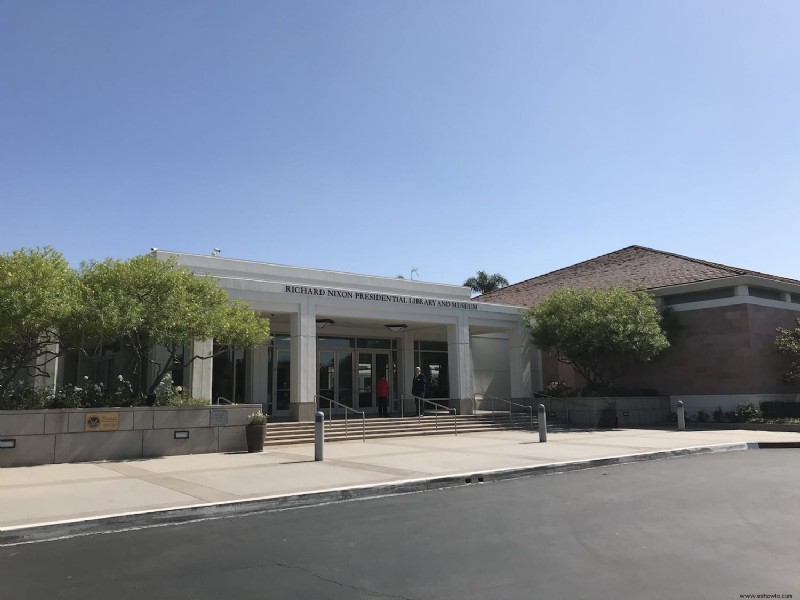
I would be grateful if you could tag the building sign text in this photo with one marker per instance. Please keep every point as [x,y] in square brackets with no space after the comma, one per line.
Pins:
[371,296]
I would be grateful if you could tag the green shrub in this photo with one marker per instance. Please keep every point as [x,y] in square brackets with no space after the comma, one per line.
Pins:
[91,395]
[629,392]
[556,389]
[181,401]
[746,412]
[27,398]
[780,410]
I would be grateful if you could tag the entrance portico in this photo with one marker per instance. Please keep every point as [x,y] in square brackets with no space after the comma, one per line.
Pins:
[337,333]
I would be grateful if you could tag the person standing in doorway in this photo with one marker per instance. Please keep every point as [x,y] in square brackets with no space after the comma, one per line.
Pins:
[382,389]
[418,388]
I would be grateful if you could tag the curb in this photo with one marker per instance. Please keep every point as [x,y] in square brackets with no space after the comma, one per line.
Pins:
[766,445]
[42,532]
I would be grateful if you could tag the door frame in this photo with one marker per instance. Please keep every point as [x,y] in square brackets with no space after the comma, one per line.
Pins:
[273,382]
[355,389]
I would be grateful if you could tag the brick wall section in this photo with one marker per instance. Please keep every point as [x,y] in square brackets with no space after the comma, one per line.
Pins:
[725,350]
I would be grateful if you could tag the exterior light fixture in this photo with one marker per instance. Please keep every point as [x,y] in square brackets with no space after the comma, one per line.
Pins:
[182,435]
[398,327]
[323,323]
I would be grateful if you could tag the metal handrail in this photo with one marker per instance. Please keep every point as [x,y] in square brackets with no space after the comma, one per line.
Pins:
[225,399]
[510,403]
[363,414]
[436,414]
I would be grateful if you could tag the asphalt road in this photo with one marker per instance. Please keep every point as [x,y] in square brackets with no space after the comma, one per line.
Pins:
[713,526]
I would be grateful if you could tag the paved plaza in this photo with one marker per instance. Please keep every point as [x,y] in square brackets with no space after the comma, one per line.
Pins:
[87,494]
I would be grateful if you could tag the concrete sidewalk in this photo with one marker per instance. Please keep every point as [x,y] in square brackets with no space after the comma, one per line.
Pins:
[70,494]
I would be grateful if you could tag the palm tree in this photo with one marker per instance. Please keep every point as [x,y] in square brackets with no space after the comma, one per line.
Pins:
[484,283]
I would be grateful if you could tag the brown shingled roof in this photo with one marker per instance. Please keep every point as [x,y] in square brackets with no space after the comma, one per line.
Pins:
[635,265]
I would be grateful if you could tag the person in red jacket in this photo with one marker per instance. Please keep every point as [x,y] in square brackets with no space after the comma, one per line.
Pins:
[382,389]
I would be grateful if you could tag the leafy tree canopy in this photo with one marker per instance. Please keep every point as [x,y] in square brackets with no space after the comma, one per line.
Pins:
[788,343]
[483,283]
[600,332]
[145,302]
[38,293]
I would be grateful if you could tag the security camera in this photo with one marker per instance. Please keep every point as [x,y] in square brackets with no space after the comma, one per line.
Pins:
[153,249]
[216,251]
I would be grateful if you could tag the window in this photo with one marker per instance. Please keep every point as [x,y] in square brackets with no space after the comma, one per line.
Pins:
[432,358]
[764,293]
[698,296]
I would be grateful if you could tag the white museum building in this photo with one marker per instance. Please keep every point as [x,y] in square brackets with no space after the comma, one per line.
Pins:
[334,334]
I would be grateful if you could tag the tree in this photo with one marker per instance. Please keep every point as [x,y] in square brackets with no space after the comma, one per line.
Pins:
[788,343]
[600,332]
[483,283]
[145,302]
[38,294]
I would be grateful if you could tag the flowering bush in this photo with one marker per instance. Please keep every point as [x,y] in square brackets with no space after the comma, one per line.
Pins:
[168,394]
[746,412]
[558,389]
[22,396]
[257,418]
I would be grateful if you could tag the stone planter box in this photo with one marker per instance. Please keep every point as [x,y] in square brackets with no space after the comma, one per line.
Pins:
[744,426]
[37,437]
[594,413]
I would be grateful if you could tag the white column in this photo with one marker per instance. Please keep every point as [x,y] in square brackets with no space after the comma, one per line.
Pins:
[160,357]
[406,370]
[257,369]
[524,367]
[304,363]
[49,364]
[200,370]
[460,366]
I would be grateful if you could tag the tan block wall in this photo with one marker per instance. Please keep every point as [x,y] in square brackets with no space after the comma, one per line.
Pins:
[58,436]
[725,350]
[554,370]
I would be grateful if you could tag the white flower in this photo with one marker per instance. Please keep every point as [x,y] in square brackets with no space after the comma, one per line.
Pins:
[179,389]
[120,378]
[86,378]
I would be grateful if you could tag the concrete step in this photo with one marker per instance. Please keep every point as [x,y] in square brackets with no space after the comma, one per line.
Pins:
[299,433]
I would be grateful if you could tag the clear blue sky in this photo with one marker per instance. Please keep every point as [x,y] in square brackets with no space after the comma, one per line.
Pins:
[374,136]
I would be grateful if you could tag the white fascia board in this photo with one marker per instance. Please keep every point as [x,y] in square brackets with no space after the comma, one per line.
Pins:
[221,267]
[726,282]
[733,301]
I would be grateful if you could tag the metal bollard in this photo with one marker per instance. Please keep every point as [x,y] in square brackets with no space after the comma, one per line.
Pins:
[681,417]
[542,424]
[319,435]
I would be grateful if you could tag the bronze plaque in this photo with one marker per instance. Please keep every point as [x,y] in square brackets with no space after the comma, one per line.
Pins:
[219,417]
[102,421]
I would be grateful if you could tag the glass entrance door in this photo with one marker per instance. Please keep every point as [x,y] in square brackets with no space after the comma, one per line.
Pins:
[371,367]
[335,376]
[326,377]
[349,377]
[280,391]
[383,368]
[366,382]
